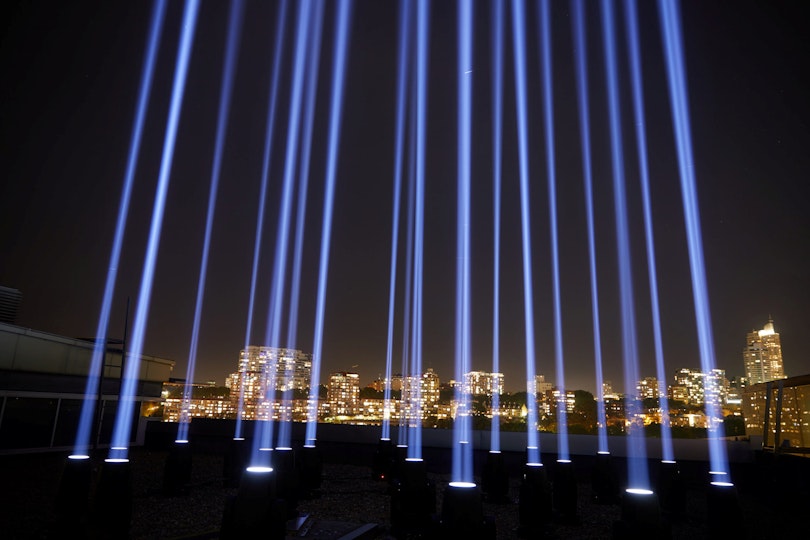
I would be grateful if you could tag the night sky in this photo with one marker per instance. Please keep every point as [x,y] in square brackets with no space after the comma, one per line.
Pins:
[70,73]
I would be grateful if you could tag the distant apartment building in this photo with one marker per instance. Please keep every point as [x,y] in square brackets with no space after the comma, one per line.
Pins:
[420,397]
[206,401]
[762,355]
[696,388]
[262,369]
[541,386]
[482,383]
[380,383]
[343,394]
[647,388]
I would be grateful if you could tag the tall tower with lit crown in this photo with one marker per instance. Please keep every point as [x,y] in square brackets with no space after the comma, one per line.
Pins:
[762,355]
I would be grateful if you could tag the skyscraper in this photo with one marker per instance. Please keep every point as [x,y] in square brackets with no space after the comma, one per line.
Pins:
[267,368]
[762,355]
[343,394]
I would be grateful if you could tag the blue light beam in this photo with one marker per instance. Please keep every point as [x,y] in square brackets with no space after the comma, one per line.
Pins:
[519,42]
[633,50]
[551,171]
[305,22]
[580,57]
[82,442]
[313,62]
[497,150]
[231,53]
[679,101]
[342,30]
[123,417]
[403,61]
[422,38]
[268,145]
[462,453]
[637,470]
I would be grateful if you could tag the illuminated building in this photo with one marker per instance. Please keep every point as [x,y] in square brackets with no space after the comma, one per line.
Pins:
[263,368]
[541,386]
[207,401]
[343,394]
[762,355]
[424,403]
[691,381]
[647,388]
[482,383]
[568,398]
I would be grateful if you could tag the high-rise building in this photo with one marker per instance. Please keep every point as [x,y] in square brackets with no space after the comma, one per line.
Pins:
[541,386]
[762,355]
[688,386]
[647,388]
[483,383]
[420,397]
[267,368]
[343,394]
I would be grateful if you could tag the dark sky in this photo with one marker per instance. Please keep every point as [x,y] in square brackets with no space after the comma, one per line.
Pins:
[70,72]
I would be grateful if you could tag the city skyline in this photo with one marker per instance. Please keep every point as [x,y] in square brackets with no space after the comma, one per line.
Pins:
[67,113]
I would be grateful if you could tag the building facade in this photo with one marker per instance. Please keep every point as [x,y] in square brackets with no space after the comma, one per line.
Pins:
[762,355]
[482,383]
[264,369]
[343,394]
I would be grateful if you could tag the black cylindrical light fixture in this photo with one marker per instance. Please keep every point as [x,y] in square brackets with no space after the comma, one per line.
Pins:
[604,480]
[177,471]
[724,513]
[640,516]
[463,513]
[413,499]
[535,503]
[287,478]
[73,497]
[565,491]
[255,512]
[113,499]
[495,478]
[310,468]
[671,489]
[383,461]
[234,462]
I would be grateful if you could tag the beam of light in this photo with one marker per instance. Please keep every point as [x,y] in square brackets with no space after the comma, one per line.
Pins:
[679,101]
[422,35]
[403,61]
[123,417]
[497,133]
[306,20]
[637,470]
[82,443]
[313,62]
[633,49]
[268,145]
[551,170]
[342,29]
[406,308]
[462,454]
[580,52]
[519,41]
[229,66]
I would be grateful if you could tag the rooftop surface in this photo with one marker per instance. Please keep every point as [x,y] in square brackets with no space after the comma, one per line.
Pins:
[349,499]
